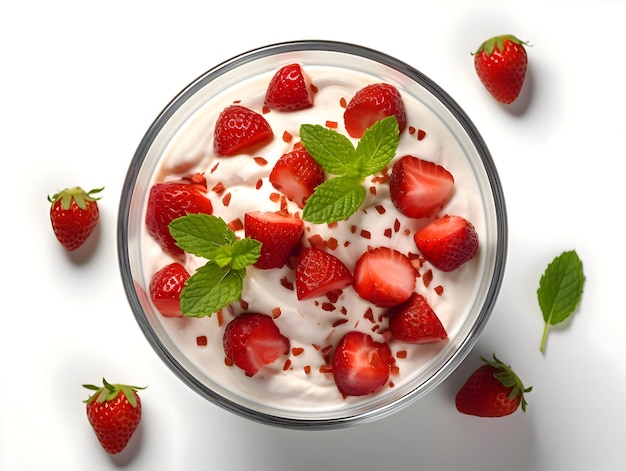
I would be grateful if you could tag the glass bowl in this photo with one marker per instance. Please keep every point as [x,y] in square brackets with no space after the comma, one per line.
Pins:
[288,393]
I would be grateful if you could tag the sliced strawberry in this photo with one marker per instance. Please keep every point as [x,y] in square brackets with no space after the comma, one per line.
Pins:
[296,175]
[238,128]
[414,321]
[360,365]
[384,277]
[419,188]
[165,288]
[168,201]
[319,272]
[252,341]
[448,242]
[279,233]
[290,89]
[373,103]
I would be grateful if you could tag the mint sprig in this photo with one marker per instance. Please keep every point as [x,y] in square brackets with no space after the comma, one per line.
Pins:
[560,290]
[220,281]
[340,197]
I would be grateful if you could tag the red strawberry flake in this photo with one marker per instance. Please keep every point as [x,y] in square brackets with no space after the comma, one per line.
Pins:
[201,341]
[384,277]
[318,273]
[373,103]
[168,201]
[165,288]
[252,341]
[296,174]
[414,321]
[360,365]
[238,129]
[290,89]
[419,188]
[448,242]
[279,233]
[218,188]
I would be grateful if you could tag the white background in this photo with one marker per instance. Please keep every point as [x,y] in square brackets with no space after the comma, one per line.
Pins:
[80,82]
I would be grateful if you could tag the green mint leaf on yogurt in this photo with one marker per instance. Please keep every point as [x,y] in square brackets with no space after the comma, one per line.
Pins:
[334,200]
[560,290]
[338,198]
[210,289]
[220,281]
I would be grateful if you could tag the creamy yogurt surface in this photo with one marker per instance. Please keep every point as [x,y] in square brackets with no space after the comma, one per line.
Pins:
[299,380]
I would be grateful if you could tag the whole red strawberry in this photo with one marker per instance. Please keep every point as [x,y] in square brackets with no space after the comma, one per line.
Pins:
[500,63]
[74,215]
[493,390]
[114,412]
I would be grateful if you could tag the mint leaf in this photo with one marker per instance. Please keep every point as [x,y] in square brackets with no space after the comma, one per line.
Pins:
[201,234]
[334,200]
[560,290]
[220,281]
[210,289]
[244,253]
[378,146]
[333,151]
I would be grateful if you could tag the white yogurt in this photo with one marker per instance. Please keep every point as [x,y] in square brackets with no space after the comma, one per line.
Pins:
[308,324]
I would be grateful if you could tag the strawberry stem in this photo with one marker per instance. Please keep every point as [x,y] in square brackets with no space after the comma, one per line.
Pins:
[109,391]
[509,379]
[544,337]
[497,42]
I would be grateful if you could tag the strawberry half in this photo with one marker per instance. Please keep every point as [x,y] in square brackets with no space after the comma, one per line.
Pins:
[165,288]
[493,390]
[74,215]
[501,63]
[252,341]
[371,104]
[319,272]
[414,321]
[447,242]
[384,277]
[279,233]
[114,412]
[168,201]
[290,89]
[360,365]
[296,175]
[419,188]
[238,128]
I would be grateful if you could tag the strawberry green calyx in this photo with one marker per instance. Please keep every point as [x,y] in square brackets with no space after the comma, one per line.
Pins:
[77,194]
[509,379]
[497,42]
[108,392]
